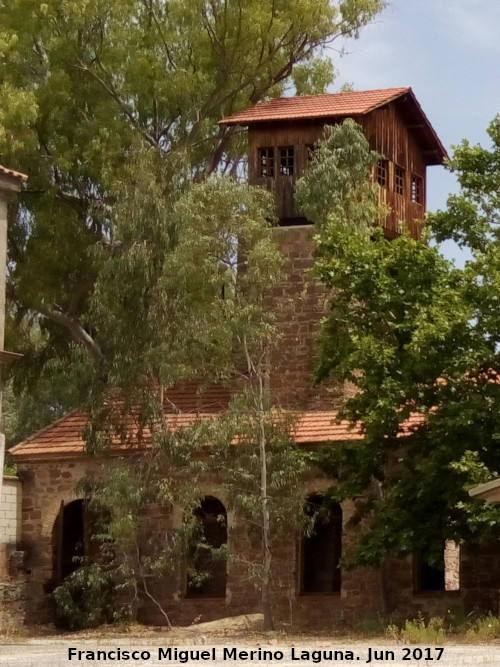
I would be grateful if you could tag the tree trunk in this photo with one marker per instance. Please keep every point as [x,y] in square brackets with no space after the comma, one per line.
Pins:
[384,602]
[266,546]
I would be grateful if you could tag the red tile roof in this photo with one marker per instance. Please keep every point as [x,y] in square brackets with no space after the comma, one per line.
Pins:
[14,174]
[316,106]
[64,438]
[182,405]
[345,105]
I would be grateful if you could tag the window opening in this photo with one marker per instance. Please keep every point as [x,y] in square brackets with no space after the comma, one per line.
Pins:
[431,576]
[207,575]
[286,161]
[266,162]
[443,575]
[322,549]
[399,181]
[382,173]
[416,193]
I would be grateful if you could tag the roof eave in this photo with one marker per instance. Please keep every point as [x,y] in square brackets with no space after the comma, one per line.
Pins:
[11,180]
[437,154]
[6,356]
[490,492]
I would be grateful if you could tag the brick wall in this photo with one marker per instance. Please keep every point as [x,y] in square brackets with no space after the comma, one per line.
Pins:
[10,521]
[10,510]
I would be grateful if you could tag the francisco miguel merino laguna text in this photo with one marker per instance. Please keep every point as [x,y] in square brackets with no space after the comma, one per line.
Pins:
[260,654]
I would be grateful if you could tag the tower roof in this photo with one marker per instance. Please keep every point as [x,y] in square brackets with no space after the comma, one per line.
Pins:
[342,105]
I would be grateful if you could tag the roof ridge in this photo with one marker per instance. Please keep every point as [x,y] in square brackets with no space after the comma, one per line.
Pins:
[251,114]
[341,92]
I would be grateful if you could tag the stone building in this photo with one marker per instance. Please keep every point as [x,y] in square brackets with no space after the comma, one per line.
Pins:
[308,582]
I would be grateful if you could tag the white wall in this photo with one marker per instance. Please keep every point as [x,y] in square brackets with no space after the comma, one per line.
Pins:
[10,510]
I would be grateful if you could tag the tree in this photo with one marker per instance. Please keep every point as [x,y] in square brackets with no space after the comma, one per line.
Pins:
[85,88]
[417,336]
[199,295]
[112,110]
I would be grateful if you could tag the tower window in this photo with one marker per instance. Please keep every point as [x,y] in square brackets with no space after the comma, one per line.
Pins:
[382,173]
[399,180]
[416,193]
[286,160]
[266,161]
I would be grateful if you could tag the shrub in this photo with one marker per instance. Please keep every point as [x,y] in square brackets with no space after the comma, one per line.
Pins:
[85,599]
[418,631]
[484,629]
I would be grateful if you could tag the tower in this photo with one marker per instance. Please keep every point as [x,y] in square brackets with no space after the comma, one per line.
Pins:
[281,134]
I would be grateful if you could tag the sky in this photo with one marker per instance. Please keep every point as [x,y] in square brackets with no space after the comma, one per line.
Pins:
[448,51]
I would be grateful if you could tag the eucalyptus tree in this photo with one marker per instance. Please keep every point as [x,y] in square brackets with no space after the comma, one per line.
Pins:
[87,86]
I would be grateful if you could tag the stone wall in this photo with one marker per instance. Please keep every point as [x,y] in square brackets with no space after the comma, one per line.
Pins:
[480,577]
[299,302]
[13,595]
[47,484]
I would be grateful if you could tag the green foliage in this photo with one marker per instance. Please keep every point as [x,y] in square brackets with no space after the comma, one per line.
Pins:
[335,192]
[125,242]
[415,336]
[199,297]
[85,599]
[239,468]
[181,257]
[418,631]
[88,88]
[10,469]
[484,629]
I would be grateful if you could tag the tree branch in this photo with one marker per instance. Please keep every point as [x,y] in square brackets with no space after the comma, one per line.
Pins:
[76,330]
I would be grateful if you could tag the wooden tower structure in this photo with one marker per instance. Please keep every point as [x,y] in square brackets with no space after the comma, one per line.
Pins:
[282,132]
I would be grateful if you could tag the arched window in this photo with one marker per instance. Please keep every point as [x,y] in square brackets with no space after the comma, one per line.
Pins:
[322,549]
[207,573]
[68,539]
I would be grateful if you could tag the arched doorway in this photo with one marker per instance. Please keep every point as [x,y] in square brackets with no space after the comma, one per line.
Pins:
[207,573]
[68,539]
[322,549]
